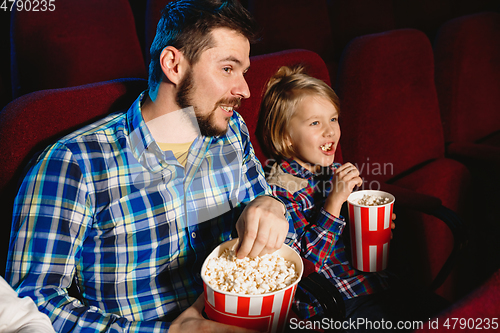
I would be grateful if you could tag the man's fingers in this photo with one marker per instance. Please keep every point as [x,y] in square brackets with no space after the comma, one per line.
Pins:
[259,246]
[245,246]
[266,241]
[262,227]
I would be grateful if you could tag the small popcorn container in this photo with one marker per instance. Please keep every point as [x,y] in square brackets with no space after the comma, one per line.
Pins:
[267,312]
[370,215]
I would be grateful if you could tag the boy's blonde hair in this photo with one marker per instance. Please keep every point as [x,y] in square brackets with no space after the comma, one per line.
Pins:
[284,91]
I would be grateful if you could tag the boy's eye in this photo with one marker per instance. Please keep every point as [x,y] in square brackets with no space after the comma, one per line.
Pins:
[227,69]
[314,123]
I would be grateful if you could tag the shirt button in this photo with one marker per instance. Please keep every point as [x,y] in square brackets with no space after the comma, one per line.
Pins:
[193,234]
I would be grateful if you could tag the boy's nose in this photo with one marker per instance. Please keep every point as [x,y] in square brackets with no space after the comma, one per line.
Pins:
[329,131]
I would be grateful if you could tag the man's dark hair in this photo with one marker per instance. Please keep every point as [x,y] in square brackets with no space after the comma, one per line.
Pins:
[187,24]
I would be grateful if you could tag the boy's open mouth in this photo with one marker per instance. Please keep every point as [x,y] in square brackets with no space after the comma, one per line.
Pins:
[327,146]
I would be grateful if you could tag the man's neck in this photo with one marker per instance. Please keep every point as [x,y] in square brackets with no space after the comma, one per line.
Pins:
[159,103]
[167,122]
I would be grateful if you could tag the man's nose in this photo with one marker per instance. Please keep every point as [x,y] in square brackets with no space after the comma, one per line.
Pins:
[241,88]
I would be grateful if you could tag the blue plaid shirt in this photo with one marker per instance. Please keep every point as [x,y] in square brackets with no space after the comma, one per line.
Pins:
[104,206]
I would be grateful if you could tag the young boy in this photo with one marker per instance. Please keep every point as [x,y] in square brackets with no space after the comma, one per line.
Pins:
[300,129]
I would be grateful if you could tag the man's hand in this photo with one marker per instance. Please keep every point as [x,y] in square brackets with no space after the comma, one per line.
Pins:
[192,320]
[262,227]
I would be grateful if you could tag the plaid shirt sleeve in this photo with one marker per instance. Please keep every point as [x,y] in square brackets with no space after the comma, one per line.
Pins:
[53,201]
[314,240]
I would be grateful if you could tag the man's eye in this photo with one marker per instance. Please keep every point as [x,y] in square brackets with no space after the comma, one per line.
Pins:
[227,69]
[333,120]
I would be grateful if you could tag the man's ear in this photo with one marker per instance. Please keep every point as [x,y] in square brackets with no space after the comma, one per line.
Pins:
[172,64]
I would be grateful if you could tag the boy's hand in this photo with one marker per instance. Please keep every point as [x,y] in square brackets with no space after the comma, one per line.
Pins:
[345,179]
[262,227]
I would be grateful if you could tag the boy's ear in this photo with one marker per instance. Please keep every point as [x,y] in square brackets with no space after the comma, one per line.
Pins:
[288,140]
[173,64]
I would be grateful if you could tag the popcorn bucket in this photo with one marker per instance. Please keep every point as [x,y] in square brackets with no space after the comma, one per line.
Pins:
[370,229]
[265,313]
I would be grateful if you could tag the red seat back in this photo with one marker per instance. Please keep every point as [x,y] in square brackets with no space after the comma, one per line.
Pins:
[467,54]
[390,111]
[294,24]
[31,122]
[80,42]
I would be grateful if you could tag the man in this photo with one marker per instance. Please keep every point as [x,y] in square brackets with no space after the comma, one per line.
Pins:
[129,207]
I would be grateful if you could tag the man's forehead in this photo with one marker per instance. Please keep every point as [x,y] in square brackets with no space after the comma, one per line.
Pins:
[229,46]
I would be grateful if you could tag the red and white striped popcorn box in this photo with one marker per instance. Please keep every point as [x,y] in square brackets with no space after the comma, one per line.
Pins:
[265,313]
[370,229]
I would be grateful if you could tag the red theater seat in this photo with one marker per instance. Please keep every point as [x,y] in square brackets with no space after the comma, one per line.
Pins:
[391,128]
[467,60]
[31,122]
[261,69]
[294,24]
[477,311]
[80,42]
[467,57]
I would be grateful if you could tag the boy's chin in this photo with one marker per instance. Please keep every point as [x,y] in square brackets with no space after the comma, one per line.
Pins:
[327,161]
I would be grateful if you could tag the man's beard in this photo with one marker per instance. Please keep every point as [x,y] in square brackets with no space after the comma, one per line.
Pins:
[206,123]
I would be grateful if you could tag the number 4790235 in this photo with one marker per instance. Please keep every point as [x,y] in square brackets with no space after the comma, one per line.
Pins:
[28,5]
[471,323]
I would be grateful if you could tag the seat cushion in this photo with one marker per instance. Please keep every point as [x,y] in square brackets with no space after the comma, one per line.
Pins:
[429,240]
[444,178]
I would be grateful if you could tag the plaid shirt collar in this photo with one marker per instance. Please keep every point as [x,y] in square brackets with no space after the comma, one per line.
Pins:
[140,136]
[144,147]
